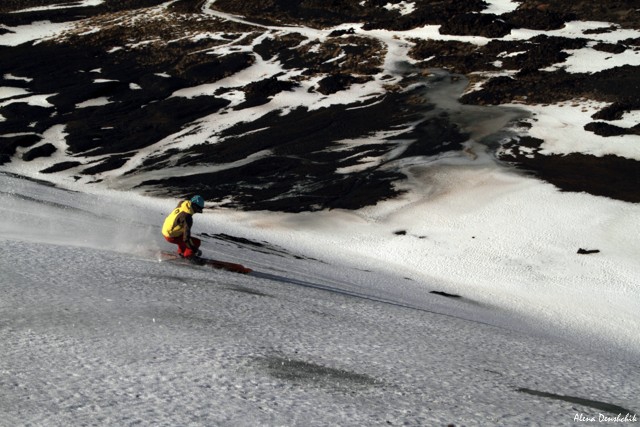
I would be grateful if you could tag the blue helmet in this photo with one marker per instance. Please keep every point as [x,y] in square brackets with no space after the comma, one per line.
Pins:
[197,201]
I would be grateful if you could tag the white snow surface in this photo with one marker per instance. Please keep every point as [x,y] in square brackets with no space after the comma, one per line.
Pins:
[337,326]
[561,126]
[32,32]
[404,8]
[500,7]
[68,5]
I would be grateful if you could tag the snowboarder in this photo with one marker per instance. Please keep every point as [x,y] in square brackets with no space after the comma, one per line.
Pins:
[177,227]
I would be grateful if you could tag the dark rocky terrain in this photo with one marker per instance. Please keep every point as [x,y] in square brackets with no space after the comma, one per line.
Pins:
[137,54]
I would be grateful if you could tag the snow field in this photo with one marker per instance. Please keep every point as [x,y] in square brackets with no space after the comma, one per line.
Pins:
[103,338]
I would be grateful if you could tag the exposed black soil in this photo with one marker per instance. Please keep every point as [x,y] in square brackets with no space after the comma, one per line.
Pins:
[610,176]
[301,174]
[136,62]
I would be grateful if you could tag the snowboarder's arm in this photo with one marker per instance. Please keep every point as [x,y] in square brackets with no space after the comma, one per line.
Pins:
[186,234]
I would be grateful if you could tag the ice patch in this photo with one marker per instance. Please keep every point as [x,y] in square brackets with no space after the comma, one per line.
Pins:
[95,102]
[68,5]
[10,92]
[589,60]
[561,126]
[499,7]
[32,32]
[404,8]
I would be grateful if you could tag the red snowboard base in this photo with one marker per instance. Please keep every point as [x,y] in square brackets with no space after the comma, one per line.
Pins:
[221,265]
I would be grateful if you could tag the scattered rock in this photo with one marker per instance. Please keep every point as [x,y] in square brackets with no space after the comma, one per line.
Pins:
[603,30]
[606,129]
[44,150]
[339,33]
[588,251]
[59,167]
[260,92]
[610,48]
[615,111]
[9,145]
[113,162]
[337,82]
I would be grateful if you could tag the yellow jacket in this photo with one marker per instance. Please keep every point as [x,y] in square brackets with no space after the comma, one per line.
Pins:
[179,221]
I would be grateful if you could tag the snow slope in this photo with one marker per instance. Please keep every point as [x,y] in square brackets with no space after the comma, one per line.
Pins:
[96,332]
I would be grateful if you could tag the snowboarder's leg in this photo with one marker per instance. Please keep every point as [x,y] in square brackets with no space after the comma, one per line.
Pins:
[182,246]
[191,248]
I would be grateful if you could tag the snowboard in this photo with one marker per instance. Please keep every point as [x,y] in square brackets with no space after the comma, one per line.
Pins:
[206,262]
